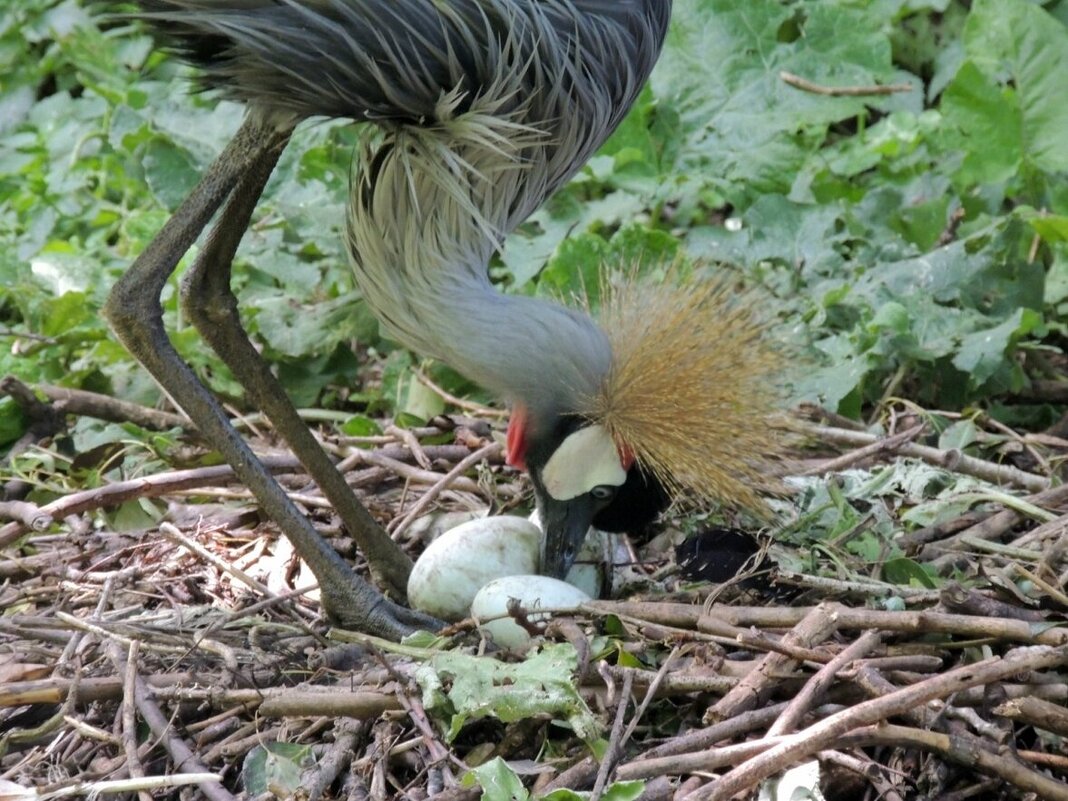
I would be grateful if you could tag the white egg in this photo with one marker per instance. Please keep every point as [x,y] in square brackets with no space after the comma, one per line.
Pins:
[532,592]
[459,562]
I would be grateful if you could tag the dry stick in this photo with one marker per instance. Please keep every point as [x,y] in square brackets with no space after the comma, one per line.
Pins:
[818,684]
[176,480]
[1036,712]
[872,682]
[963,749]
[147,487]
[1044,758]
[866,588]
[99,788]
[85,691]
[869,769]
[129,715]
[103,407]
[995,525]
[583,772]
[883,446]
[469,406]
[324,771]
[615,740]
[701,739]
[28,514]
[950,459]
[816,627]
[411,442]
[304,703]
[1054,592]
[172,534]
[798,82]
[185,761]
[823,734]
[672,757]
[918,622]
[443,483]
[356,456]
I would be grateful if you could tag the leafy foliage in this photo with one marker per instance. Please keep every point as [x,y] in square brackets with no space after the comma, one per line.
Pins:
[464,688]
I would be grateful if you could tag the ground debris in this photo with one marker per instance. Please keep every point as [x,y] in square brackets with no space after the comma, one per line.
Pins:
[905,634]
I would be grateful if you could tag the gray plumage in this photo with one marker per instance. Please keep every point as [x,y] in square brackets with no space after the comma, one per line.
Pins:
[482,109]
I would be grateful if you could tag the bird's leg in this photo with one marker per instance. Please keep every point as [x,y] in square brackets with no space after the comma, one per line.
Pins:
[134,311]
[210,304]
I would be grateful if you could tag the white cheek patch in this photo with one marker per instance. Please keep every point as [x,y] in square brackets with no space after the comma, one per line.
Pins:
[586,459]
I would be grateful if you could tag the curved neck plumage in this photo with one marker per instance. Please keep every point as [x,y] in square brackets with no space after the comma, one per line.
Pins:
[421,239]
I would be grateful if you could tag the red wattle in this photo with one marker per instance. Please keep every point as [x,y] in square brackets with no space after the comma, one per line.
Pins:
[516,444]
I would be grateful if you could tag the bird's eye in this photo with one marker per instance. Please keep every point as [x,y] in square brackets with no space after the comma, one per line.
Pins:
[603,492]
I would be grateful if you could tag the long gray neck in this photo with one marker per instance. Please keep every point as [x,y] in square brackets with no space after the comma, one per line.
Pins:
[531,351]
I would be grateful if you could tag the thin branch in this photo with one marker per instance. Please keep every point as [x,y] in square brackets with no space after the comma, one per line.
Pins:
[805,85]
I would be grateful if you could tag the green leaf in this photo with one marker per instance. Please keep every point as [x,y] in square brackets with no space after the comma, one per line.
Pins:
[1019,41]
[360,425]
[498,781]
[905,572]
[170,172]
[982,353]
[983,120]
[12,421]
[482,686]
[274,767]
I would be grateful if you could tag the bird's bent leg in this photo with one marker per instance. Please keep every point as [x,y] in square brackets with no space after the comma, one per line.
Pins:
[210,304]
[134,311]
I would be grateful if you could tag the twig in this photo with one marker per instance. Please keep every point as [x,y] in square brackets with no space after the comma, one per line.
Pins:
[818,684]
[817,626]
[1036,712]
[443,483]
[316,780]
[962,749]
[356,456]
[412,443]
[469,406]
[144,783]
[185,761]
[615,739]
[823,734]
[172,534]
[888,445]
[129,717]
[798,82]
[103,407]
[949,459]
[918,622]
[146,487]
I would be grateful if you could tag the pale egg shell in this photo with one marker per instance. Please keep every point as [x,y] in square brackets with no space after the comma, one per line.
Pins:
[455,565]
[532,592]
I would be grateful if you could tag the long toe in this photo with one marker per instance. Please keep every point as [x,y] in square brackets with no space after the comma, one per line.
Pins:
[375,615]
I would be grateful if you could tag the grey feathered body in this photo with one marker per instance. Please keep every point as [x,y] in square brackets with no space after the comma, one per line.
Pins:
[482,108]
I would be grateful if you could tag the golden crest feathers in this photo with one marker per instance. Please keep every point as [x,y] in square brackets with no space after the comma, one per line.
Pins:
[695,383]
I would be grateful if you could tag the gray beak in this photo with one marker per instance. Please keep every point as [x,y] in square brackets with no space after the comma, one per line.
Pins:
[565,524]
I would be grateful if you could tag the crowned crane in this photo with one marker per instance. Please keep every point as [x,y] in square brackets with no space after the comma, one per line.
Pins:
[478,110]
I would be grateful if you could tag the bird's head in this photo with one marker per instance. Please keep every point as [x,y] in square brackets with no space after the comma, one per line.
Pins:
[581,477]
[684,408]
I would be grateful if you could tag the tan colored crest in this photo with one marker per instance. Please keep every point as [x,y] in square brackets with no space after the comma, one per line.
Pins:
[695,384]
